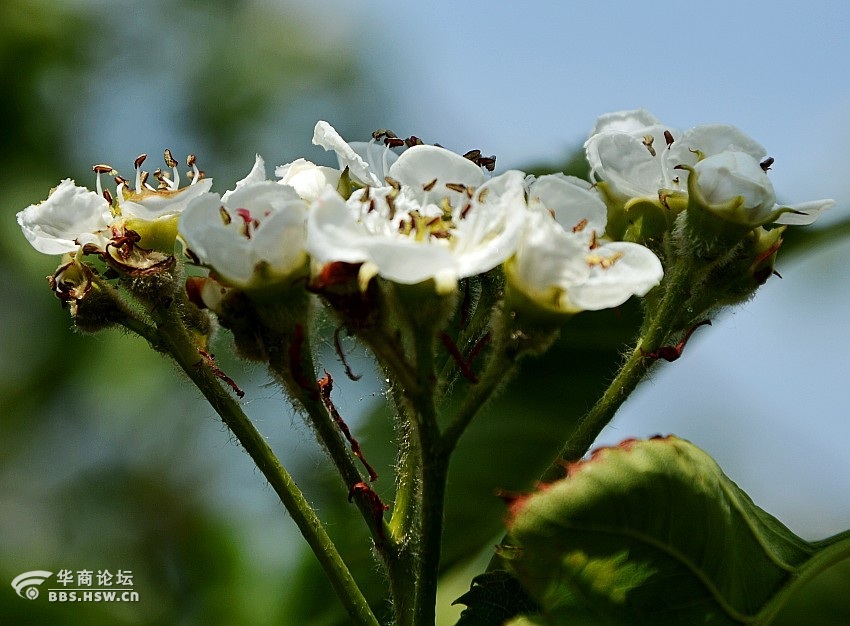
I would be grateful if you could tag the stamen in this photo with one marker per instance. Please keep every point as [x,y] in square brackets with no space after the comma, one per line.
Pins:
[138,165]
[765,165]
[648,140]
[195,174]
[594,260]
[101,169]
[429,186]
[580,226]
[456,187]
[482,195]
[668,137]
[171,162]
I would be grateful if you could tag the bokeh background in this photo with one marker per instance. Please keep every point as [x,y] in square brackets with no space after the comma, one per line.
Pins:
[109,460]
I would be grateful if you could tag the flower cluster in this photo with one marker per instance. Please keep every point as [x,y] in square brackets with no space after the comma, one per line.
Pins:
[424,215]
[637,160]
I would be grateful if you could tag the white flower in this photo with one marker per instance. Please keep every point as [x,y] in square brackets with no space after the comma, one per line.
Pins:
[74,216]
[70,217]
[252,235]
[442,219]
[562,262]
[640,159]
[367,162]
[628,150]
[736,187]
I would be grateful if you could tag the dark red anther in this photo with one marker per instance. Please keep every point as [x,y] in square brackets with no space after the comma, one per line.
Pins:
[672,353]
[668,137]
[364,491]
[326,385]
[765,165]
[209,360]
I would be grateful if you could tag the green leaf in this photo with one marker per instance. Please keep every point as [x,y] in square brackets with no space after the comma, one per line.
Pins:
[653,532]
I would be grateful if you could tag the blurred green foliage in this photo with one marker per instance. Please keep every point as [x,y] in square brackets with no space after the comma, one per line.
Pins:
[106,458]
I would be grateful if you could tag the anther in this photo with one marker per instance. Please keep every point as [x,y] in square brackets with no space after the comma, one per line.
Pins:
[668,137]
[139,160]
[648,140]
[169,160]
[429,186]
[765,165]
[103,169]
[456,187]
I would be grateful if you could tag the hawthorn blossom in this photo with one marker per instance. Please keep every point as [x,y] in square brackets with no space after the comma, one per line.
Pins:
[562,262]
[73,216]
[638,158]
[433,215]
[252,234]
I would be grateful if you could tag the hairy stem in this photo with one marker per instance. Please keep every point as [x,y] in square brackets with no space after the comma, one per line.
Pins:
[174,339]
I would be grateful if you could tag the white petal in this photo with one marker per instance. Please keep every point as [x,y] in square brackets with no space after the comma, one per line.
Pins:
[625,162]
[712,139]
[727,175]
[574,204]
[378,157]
[633,274]
[150,205]
[420,165]
[326,136]
[280,239]
[625,121]
[69,213]
[408,262]
[489,233]
[261,198]
[548,260]
[256,175]
[307,178]
[219,245]
[333,234]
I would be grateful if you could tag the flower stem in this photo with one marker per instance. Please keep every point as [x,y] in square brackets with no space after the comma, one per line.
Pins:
[174,339]
[659,325]
[295,368]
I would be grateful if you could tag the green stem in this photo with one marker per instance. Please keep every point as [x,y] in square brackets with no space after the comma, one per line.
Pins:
[658,327]
[303,389]
[174,339]
[500,368]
